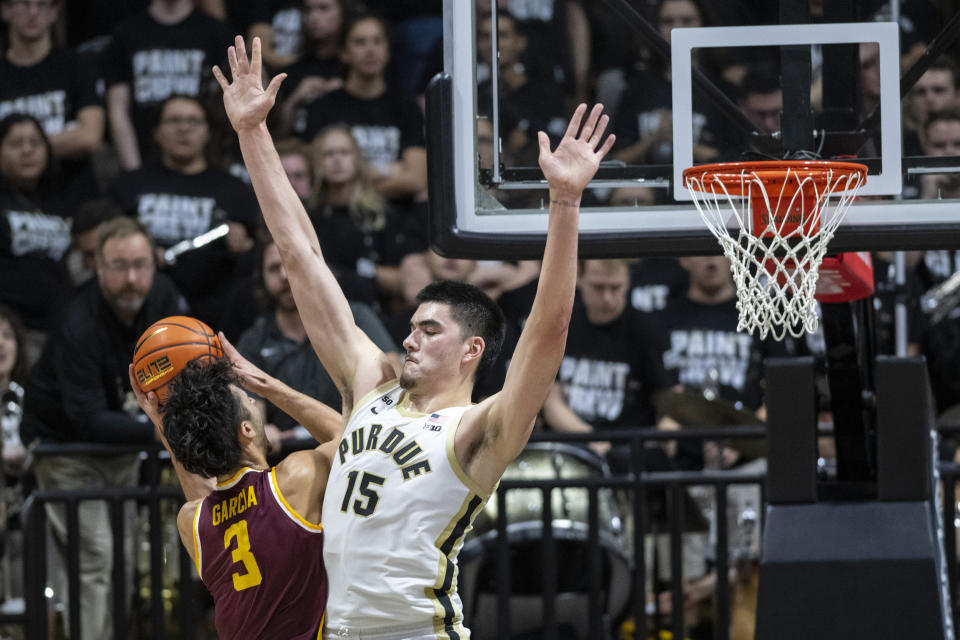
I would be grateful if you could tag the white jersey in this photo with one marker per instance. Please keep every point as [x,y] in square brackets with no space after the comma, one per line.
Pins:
[395,513]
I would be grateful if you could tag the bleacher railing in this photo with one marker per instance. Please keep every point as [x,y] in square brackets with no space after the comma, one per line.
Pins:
[158,606]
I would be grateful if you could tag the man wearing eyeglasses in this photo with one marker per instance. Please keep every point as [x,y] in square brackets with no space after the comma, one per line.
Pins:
[183,197]
[79,392]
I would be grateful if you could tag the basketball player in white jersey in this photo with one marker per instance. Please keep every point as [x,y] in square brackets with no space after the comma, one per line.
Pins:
[416,461]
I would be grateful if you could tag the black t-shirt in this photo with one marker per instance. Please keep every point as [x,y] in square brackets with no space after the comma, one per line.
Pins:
[544,23]
[159,60]
[97,18]
[284,17]
[79,391]
[354,253]
[535,106]
[653,281]
[240,15]
[307,67]
[700,348]
[638,116]
[384,127]
[609,372]
[174,207]
[33,239]
[54,91]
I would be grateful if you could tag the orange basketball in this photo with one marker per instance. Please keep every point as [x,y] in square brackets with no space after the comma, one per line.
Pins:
[167,346]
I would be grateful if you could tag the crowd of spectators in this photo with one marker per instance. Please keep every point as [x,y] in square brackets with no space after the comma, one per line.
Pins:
[113,153]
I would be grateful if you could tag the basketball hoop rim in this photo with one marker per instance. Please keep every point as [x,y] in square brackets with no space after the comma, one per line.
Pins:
[772,172]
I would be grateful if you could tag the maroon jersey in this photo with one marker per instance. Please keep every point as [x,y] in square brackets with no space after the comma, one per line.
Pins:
[261,560]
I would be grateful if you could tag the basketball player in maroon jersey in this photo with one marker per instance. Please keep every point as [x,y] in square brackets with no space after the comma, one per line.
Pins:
[255,534]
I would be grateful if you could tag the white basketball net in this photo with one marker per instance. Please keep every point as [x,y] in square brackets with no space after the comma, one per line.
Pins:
[775,268]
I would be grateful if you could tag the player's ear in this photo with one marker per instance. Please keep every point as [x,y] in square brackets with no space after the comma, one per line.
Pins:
[474,347]
[246,431]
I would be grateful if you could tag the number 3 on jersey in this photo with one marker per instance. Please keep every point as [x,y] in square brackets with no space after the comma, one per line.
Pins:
[251,572]
[360,507]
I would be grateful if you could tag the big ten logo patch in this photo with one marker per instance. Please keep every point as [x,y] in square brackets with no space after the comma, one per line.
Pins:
[154,370]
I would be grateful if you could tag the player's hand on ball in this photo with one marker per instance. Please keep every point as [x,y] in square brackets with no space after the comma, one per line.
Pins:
[148,401]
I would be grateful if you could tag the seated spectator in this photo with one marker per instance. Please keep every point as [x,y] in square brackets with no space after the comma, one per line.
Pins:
[918,25]
[182,197]
[318,69]
[166,50]
[655,279]
[934,91]
[277,343]
[609,372]
[761,98]
[13,377]
[56,87]
[13,374]
[941,137]
[81,261]
[644,123]
[80,392]
[417,27]
[527,103]
[388,127]
[559,46]
[297,161]
[279,26]
[703,353]
[364,239]
[34,229]
[701,349]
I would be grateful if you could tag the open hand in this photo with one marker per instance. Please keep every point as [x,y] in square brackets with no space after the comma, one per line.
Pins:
[246,101]
[572,165]
[251,376]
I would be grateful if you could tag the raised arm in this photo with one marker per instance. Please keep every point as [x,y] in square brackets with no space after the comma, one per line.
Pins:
[354,363]
[322,421]
[496,430]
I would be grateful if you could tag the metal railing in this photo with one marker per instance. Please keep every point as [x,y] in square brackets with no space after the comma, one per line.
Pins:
[146,595]
[155,616]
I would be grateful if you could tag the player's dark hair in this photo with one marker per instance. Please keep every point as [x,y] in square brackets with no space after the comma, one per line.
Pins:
[356,19]
[474,312]
[348,9]
[950,114]
[201,417]
[160,108]
[759,79]
[944,63]
[45,184]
